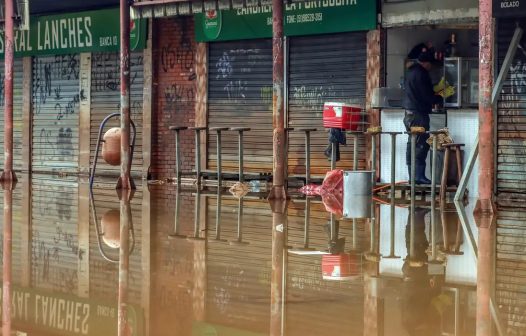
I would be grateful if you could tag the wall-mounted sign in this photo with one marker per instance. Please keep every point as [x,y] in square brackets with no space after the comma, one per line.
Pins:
[509,8]
[90,31]
[68,315]
[300,18]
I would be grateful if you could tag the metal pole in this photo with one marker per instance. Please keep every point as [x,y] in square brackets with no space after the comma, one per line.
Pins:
[307,157]
[177,158]
[413,169]
[279,139]
[433,171]
[373,159]
[333,156]
[355,152]
[125,182]
[241,176]
[198,156]
[8,173]
[486,118]
[7,259]
[124,266]
[219,160]
[393,167]
[279,262]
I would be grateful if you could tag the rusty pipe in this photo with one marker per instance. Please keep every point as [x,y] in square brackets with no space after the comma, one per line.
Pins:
[125,178]
[124,267]
[8,173]
[7,259]
[278,113]
[486,119]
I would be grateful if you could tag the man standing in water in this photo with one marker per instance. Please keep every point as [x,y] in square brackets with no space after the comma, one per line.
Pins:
[418,103]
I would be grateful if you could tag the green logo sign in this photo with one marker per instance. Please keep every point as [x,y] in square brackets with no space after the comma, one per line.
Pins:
[212,24]
[299,18]
[89,31]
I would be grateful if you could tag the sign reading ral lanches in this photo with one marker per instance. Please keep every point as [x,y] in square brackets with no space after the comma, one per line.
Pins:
[509,8]
[68,315]
[299,18]
[90,31]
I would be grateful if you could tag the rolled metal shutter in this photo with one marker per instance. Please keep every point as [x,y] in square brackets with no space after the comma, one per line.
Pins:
[240,95]
[54,238]
[238,285]
[17,113]
[105,100]
[104,275]
[511,120]
[56,100]
[323,68]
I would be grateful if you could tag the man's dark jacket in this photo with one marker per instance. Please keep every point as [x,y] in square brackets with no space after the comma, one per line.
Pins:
[419,94]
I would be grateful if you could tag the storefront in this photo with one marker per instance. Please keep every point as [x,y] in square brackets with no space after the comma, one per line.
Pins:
[325,61]
[453,33]
[68,64]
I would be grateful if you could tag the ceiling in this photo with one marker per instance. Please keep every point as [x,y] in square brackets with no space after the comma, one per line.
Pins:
[58,6]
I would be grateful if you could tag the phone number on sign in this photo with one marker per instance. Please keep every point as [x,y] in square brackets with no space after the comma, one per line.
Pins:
[300,18]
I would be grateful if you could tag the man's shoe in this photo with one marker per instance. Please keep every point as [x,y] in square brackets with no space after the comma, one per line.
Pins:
[421,175]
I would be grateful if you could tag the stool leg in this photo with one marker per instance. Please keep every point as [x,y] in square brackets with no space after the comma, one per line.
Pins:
[219,160]
[355,152]
[177,158]
[433,172]
[333,156]
[307,157]
[373,159]
[443,184]
[393,166]
[413,170]
[198,156]
[240,150]
[459,165]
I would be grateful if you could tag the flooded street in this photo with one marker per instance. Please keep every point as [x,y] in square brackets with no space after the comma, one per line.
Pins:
[199,262]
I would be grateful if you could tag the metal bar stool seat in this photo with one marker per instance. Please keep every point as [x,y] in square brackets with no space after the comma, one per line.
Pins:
[240,131]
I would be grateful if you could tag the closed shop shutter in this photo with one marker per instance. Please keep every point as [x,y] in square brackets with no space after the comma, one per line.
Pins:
[17,113]
[55,108]
[240,95]
[104,275]
[511,133]
[324,68]
[54,234]
[105,100]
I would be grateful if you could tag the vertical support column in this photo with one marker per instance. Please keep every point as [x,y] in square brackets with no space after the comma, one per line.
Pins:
[147,104]
[83,227]
[485,203]
[279,266]
[7,257]
[27,119]
[201,99]
[125,182]
[84,113]
[373,81]
[123,328]
[278,114]
[485,276]
[8,174]
[146,255]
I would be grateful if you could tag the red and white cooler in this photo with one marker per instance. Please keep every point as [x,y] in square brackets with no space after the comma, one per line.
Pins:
[342,266]
[341,115]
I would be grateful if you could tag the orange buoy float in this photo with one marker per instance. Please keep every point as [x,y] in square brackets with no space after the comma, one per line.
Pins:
[111,147]
[111,228]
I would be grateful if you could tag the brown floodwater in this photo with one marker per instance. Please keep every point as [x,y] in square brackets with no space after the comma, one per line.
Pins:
[203,262]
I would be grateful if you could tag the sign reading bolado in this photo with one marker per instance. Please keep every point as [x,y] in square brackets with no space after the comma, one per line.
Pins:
[509,8]
[300,18]
[90,31]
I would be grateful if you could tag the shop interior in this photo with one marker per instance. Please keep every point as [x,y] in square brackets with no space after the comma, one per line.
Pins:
[455,76]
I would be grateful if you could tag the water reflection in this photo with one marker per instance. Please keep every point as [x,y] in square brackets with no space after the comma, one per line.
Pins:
[203,262]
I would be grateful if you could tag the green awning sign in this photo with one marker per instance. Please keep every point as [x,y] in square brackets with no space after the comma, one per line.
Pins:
[89,31]
[300,18]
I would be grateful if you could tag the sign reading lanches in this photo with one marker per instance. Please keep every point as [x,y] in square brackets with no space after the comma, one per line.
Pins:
[300,18]
[509,8]
[90,31]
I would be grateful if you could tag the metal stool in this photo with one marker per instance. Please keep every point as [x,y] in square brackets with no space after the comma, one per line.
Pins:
[393,162]
[445,171]
[176,234]
[177,129]
[197,217]
[307,151]
[217,238]
[240,131]
[434,149]
[239,241]
[197,131]
[355,135]
[219,162]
